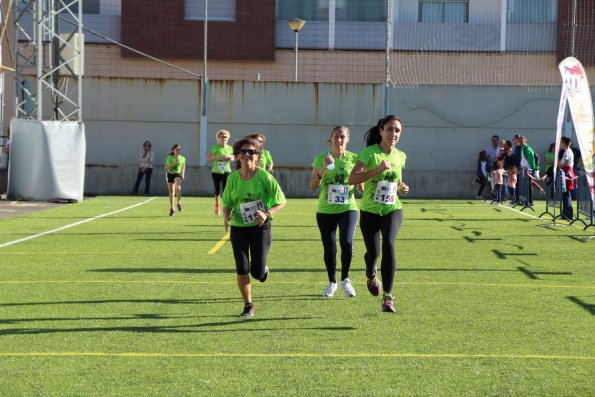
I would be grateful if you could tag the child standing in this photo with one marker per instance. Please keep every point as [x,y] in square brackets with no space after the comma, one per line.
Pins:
[498,180]
[513,174]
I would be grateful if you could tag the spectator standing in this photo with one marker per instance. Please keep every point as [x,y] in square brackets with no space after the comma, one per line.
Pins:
[528,162]
[481,176]
[493,149]
[145,168]
[511,182]
[567,167]
[492,152]
[549,157]
[498,180]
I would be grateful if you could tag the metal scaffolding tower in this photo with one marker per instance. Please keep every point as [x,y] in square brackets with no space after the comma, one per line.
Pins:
[48,46]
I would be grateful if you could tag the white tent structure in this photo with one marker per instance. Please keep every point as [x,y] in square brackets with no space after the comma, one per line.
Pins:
[48,136]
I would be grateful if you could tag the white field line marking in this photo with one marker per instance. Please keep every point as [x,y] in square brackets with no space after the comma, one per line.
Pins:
[301,355]
[73,224]
[219,244]
[33,282]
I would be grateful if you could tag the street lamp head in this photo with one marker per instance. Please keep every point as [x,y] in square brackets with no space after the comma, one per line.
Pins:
[296,24]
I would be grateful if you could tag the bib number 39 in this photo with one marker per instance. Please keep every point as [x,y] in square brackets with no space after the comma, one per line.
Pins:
[249,209]
[386,192]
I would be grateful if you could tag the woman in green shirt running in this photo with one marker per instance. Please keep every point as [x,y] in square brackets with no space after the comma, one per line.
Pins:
[379,167]
[336,208]
[266,161]
[250,199]
[175,168]
[221,155]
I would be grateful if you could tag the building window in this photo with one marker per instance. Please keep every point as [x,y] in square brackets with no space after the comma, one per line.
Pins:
[532,11]
[220,10]
[360,10]
[449,11]
[308,10]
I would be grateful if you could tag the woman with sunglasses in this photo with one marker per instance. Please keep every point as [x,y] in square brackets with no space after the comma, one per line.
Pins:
[221,155]
[336,208]
[252,196]
[379,168]
[146,167]
[175,168]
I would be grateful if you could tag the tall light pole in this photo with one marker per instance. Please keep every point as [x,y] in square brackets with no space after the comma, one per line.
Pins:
[204,100]
[296,25]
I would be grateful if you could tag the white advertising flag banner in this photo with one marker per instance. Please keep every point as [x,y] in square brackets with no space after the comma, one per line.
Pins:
[577,93]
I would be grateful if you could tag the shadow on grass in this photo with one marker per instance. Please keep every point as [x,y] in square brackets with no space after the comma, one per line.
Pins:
[482,220]
[197,271]
[506,255]
[296,270]
[587,306]
[189,328]
[168,301]
[153,232]
[151,316]
[533,274]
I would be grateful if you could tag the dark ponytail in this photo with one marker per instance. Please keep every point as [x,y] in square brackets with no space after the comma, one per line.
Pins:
[372,136]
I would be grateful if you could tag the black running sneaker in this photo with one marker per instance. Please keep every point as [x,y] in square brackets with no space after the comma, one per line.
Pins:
[171,212]
[248,311]
[180,208]
[374,285]
[387,303]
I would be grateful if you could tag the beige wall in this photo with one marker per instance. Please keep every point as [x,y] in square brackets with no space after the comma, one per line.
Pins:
[407,68]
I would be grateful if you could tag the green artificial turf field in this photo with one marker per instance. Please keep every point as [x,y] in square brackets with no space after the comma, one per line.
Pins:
[490,302]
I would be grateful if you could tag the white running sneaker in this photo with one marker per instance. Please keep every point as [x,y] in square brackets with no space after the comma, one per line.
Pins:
[347,288]
[330,289]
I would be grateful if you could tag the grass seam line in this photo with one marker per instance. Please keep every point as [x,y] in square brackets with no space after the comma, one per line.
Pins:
[73,224]
[22,282]
[219,244]
[300,355]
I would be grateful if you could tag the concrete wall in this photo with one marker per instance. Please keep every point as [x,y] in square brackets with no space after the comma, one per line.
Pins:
[444,127]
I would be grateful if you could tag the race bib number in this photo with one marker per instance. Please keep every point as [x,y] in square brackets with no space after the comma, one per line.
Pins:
[386,192]
[248,210]
[338,194]
[222,166]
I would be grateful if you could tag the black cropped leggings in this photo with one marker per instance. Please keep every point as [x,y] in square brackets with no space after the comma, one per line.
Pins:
[252,242]
[327,224]
[372,227]
[219,181]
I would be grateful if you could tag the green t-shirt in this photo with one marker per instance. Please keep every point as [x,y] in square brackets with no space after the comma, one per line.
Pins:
[341,196]
[222,166]
[380,192]
[265,159]
[240,196]
[549,159]
[178,168]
